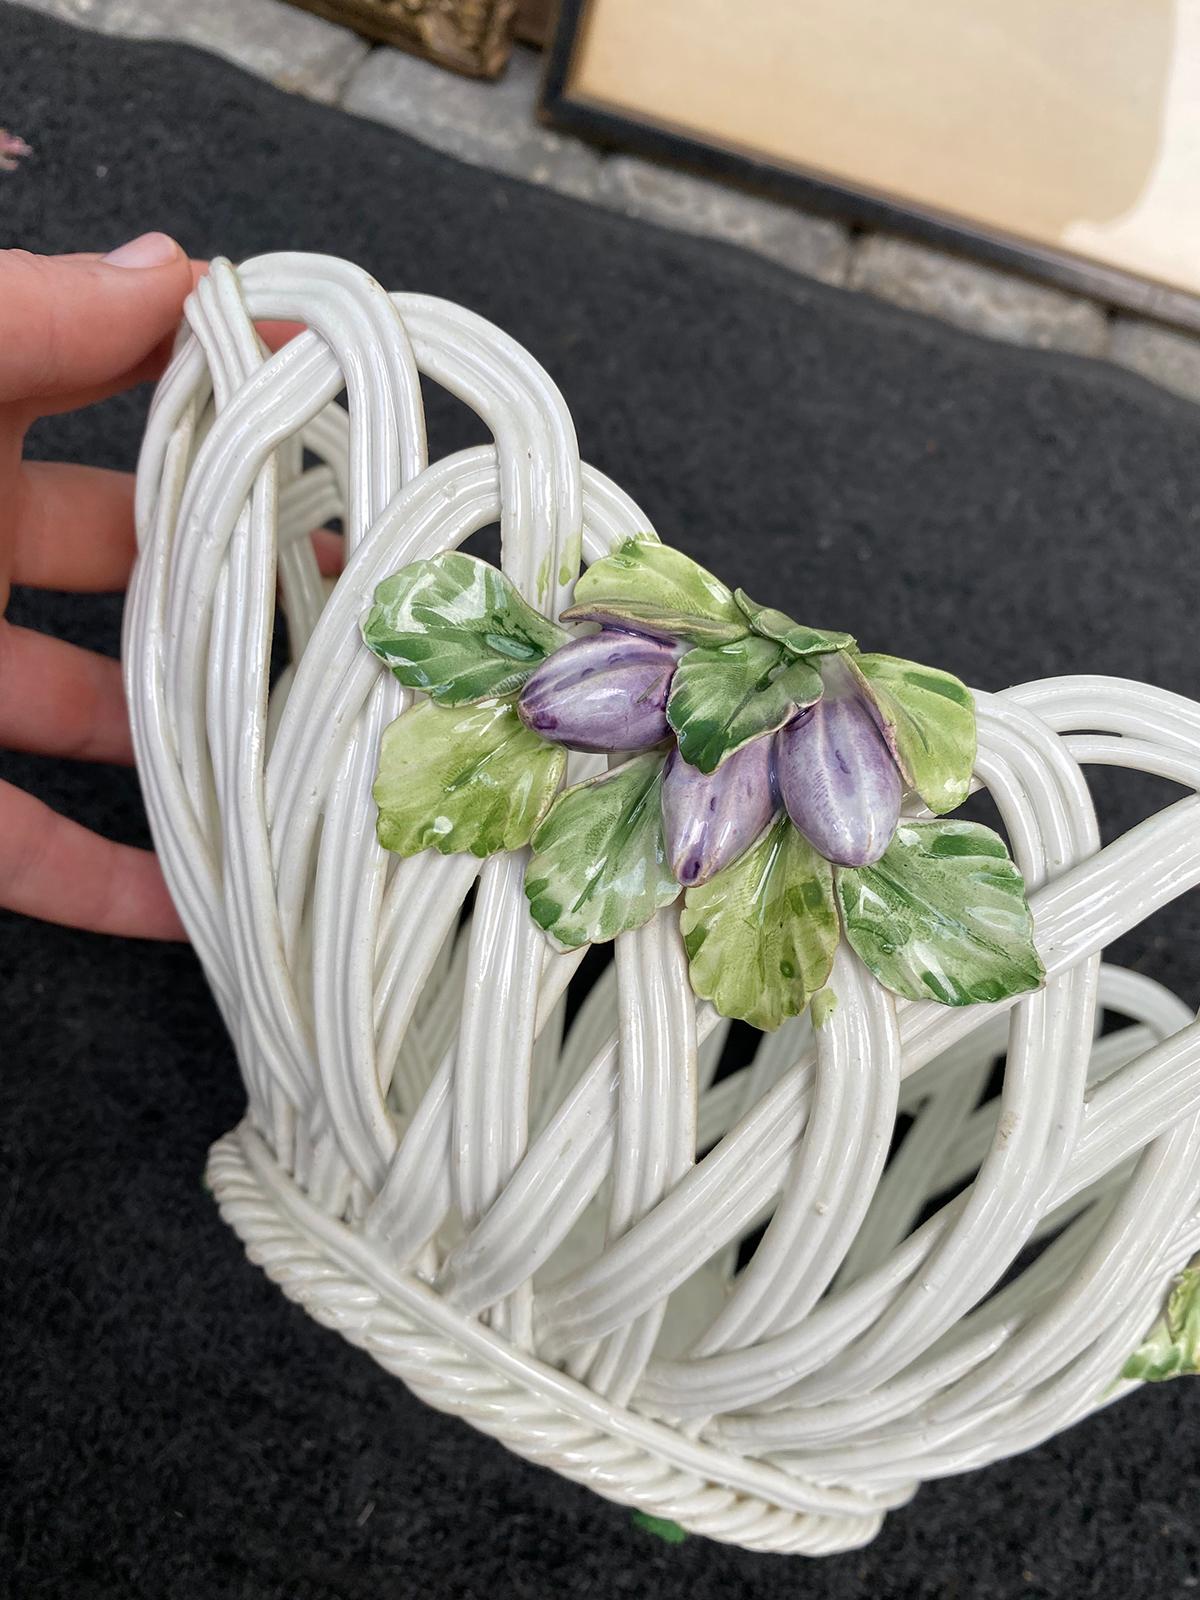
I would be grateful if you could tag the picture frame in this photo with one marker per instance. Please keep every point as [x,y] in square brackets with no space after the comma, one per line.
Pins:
[568,104]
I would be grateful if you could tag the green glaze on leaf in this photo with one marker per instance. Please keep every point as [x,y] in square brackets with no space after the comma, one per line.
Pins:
[928,718]
[599,864]
[761,935]
[824,1004]
[457,628]
[723,696]
[463,778]
[657,590]
[942,916]
[661,1527]
[794,636]
[1172,1347]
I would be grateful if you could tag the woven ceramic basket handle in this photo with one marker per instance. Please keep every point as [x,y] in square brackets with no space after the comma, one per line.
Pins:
[725,1297]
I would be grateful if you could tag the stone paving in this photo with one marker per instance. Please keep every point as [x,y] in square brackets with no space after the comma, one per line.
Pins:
[273,40]
[494,125]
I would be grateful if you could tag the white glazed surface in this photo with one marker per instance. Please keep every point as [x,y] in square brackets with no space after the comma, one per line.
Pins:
[537,1229]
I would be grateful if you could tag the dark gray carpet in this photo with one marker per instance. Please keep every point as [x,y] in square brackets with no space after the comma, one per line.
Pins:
[173,1427]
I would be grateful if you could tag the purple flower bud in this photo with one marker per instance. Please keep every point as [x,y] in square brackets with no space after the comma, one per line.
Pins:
[711,819]
[608,692]
[836,774]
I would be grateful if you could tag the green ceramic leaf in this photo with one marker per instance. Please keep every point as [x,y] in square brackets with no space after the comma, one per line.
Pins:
[723,696]
[457,628]
[1172,1347]
[942,915]
[761,935]
[929,721]
[599,864]
[463,778]
[824,1004]
[661,1527]
[657,590]
[794,636]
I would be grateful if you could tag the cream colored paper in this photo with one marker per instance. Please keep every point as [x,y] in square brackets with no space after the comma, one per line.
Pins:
[1074,124]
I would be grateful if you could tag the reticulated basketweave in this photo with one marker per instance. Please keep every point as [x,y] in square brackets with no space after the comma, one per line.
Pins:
[483,879]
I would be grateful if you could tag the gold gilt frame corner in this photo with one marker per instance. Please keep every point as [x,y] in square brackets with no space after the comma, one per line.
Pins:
[471,36]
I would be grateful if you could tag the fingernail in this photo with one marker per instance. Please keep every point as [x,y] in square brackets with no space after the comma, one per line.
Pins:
[150,250]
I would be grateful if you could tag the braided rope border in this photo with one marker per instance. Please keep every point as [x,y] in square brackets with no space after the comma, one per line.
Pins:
[548,1419]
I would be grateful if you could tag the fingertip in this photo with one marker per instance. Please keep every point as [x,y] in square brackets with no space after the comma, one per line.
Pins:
[72,324]
[126,896]
[330,550]
[147,250]
[148,912]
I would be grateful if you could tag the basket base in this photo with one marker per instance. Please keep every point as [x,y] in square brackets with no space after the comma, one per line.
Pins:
[343,1280]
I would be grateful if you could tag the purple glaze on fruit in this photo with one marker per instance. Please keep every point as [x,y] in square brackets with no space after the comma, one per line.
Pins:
[710,820]
[608,692]
[836,775]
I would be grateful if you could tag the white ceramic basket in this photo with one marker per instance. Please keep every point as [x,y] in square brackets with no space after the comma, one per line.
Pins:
[538,1228]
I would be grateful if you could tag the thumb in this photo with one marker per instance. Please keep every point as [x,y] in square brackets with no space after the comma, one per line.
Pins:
[73,323]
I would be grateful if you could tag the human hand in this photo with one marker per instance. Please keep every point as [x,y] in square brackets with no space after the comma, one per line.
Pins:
[74,330]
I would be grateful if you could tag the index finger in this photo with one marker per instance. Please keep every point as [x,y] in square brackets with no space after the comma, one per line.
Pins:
[74,323]
[151,366]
